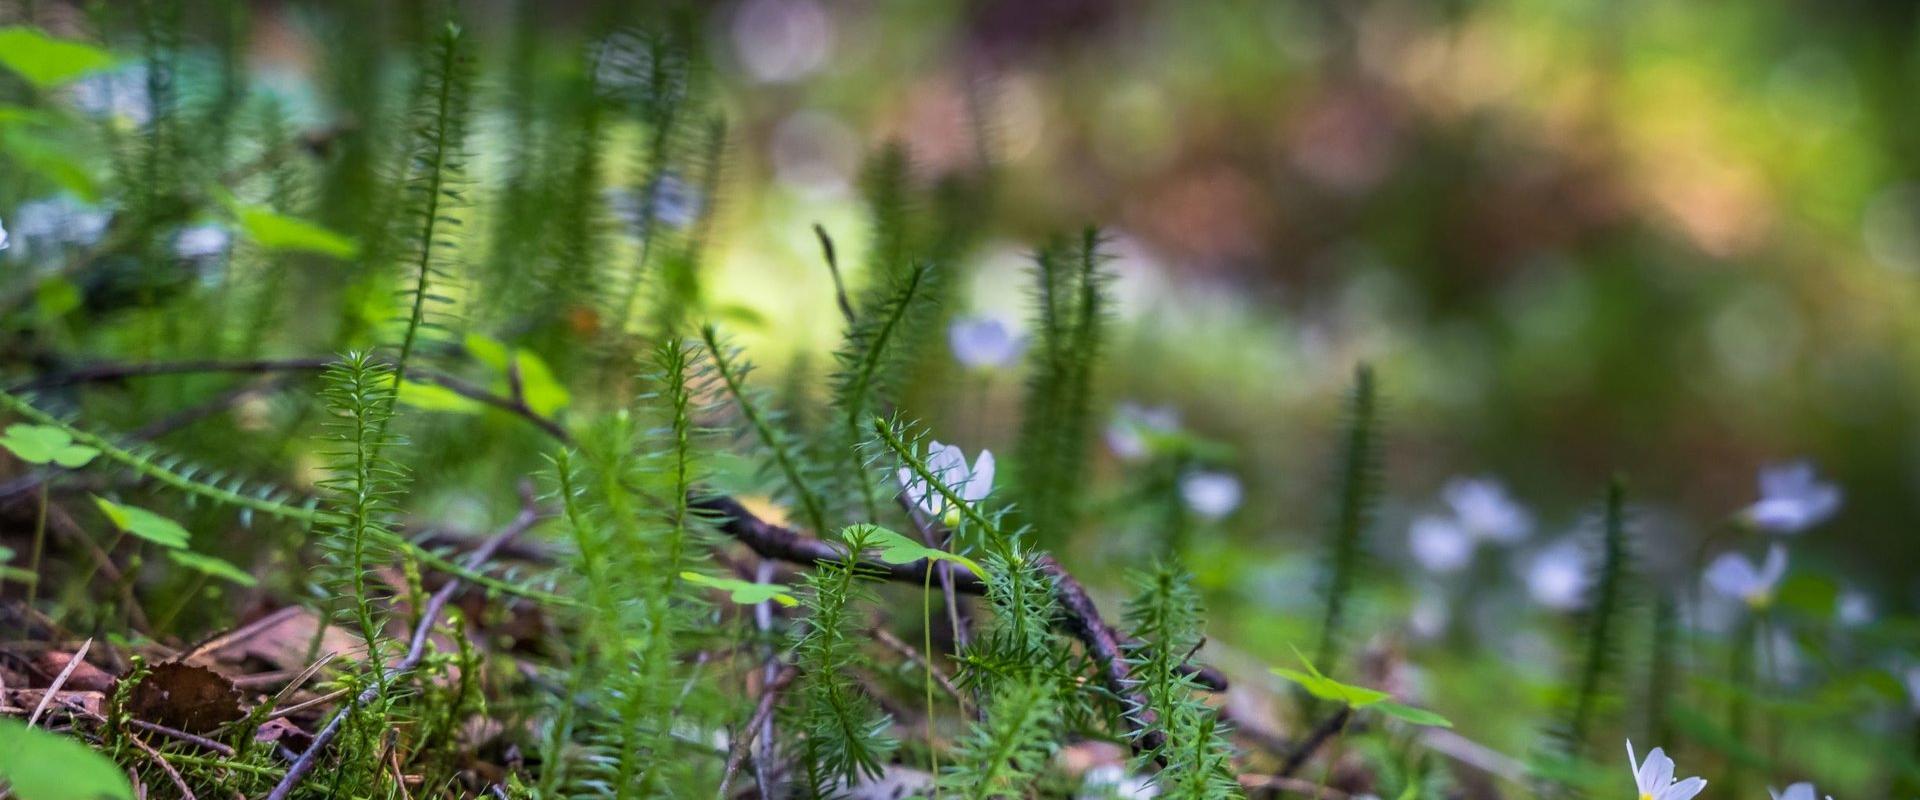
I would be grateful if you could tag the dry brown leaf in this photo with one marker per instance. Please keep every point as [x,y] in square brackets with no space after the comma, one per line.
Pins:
[194,699]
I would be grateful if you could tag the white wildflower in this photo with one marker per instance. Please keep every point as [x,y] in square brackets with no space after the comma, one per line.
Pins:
[3,235]
[1212,495]
[1854,608]
[1128,434]
[1733,575]
[201,241]
[1440,544]
[1486,510]
[949,466]
[1798,791]
[1114,782]
[58,221]
[1558,576]
[1654,777]
[983,342]
[1792,499]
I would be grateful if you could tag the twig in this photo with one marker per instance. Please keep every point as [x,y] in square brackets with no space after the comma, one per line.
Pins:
[416,649]
[172,774]
[906,651]
[1294,785]
[1319,736]
[769,696]
[59,681]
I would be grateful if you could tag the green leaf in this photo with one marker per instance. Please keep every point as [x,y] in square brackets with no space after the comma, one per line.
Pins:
[434,397]
[1417,716]
[212,566]
[46,149]
[745,592]
[144,524]
[39,765]
[47,61]
[56,296]
[895,548]
[488,350]
[275,231]
[46,444]
[544,394]
[538,387]
[1329,689]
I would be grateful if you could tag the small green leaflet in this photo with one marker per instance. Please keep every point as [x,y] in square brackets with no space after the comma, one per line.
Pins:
[38,765]
[895,548]
[46,444]
[434,397]
[1357,697]
[144,524]
[543,393]
[211,566]
[1415,716]
[275,231]
[744,592]
[47,61]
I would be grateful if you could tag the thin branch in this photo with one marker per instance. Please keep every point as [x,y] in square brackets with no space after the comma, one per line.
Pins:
[59,681]
[1319,736]
[769,697]
[416,650]
[906,651]
[165,766]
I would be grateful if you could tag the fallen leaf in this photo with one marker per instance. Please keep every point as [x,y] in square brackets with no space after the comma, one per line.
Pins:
[187,697]
[85,678]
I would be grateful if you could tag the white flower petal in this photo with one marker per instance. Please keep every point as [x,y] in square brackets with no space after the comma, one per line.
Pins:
[1439,544]
[1684,790]
[1212,495]
[1733,575]
[1662,767]
[1774,569]
[981,481]
[983,342]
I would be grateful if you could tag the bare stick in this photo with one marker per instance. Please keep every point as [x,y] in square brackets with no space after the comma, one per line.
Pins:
[1320,735]
[769,696]
[59,681]
[172,774]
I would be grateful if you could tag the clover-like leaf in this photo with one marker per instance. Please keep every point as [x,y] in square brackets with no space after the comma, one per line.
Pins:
[48,61]
[46,444]
[434,397]
[216,567]
[275,231]
[543,393]
[1329,689]
[745,592]
[895,548]
[144,524]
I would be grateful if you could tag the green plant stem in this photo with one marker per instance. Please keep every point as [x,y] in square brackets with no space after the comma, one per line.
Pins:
[39,547]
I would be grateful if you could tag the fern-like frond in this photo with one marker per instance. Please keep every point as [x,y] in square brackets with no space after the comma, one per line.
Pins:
[361,488]
[845,733]
[1006,750]
[788,456]
[434,183]
[1356,499]
[871,358]
[1070,308]
[1606,618]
